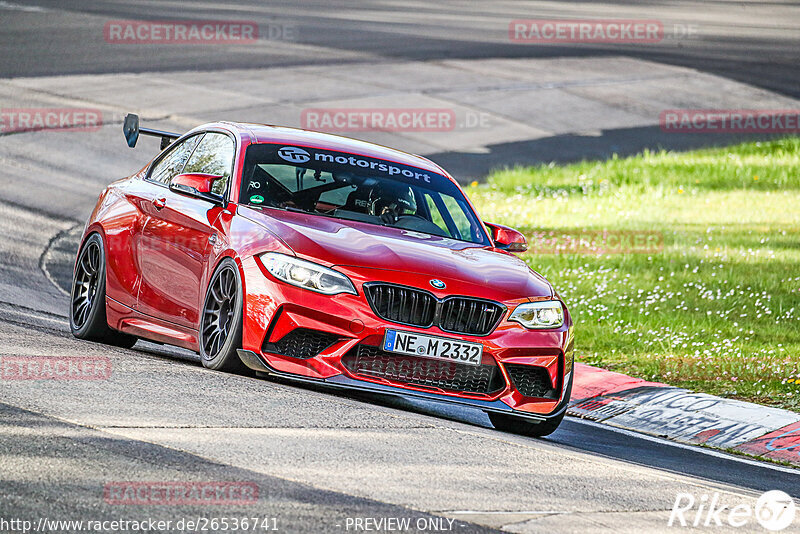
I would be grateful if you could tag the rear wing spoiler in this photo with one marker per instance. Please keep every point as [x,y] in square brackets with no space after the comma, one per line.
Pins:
[132,130]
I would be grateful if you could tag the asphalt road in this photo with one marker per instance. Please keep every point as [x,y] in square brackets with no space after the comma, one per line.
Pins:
[755,42]
[318,458]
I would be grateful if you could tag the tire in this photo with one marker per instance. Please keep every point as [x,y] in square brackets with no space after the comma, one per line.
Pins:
[221,320]
[520,425]
[87,314]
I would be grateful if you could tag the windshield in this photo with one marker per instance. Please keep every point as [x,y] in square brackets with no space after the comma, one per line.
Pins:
[357,188]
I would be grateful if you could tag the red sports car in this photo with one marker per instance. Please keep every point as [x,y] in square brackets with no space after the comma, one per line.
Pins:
[327,260]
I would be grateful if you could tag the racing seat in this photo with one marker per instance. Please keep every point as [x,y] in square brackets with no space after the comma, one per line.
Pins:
[358,201]
[357,205]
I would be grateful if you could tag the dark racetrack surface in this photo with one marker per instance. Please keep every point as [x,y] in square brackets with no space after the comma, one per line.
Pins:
[317,457]
[754,42]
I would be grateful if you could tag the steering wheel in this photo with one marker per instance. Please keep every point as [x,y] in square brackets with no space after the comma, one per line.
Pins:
[417,215]
[419,223]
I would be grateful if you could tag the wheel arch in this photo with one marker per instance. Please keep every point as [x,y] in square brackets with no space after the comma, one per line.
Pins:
[92,228]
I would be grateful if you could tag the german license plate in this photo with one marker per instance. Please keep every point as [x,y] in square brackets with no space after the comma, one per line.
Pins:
[434,347]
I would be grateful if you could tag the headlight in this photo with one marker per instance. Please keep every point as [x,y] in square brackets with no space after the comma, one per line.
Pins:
[305,274]
[545,314]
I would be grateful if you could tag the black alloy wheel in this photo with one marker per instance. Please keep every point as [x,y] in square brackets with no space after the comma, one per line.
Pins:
[84,289]
[87,314]
[221,324]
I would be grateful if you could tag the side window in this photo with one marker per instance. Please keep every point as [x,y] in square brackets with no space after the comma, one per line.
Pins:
[214,155]
[172,164]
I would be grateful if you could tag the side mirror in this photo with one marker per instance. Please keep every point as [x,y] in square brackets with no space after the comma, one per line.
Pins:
[506,238]
[197,185]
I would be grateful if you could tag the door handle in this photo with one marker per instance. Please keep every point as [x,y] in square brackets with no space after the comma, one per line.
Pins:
[159,203]
[212,239]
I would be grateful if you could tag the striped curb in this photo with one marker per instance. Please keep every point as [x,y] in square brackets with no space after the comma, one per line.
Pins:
[684,416]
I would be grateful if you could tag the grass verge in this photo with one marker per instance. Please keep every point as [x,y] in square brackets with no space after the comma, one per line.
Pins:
[717,307]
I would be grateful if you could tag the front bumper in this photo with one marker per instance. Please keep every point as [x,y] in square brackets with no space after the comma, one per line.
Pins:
[342,382]
[274,309]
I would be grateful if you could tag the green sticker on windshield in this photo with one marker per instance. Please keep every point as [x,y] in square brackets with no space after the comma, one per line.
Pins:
[256,199]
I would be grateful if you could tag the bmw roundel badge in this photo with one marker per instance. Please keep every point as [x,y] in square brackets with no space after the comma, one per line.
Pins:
[438,284]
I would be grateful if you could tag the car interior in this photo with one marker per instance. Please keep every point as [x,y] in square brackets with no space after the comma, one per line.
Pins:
[374,200]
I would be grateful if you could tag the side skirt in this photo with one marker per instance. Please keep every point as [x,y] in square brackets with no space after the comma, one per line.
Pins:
[129,321]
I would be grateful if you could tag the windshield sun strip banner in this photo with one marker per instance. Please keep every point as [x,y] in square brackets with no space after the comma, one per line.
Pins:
[334,161]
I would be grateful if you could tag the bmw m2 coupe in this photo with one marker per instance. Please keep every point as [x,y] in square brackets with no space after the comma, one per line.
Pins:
[328,260]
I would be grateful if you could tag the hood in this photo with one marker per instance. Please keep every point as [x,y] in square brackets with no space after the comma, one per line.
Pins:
[358,245]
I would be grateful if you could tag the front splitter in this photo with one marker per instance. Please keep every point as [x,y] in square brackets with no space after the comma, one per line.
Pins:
[342,382]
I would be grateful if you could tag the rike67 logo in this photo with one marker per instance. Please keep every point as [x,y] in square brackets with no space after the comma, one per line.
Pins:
[774,510]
